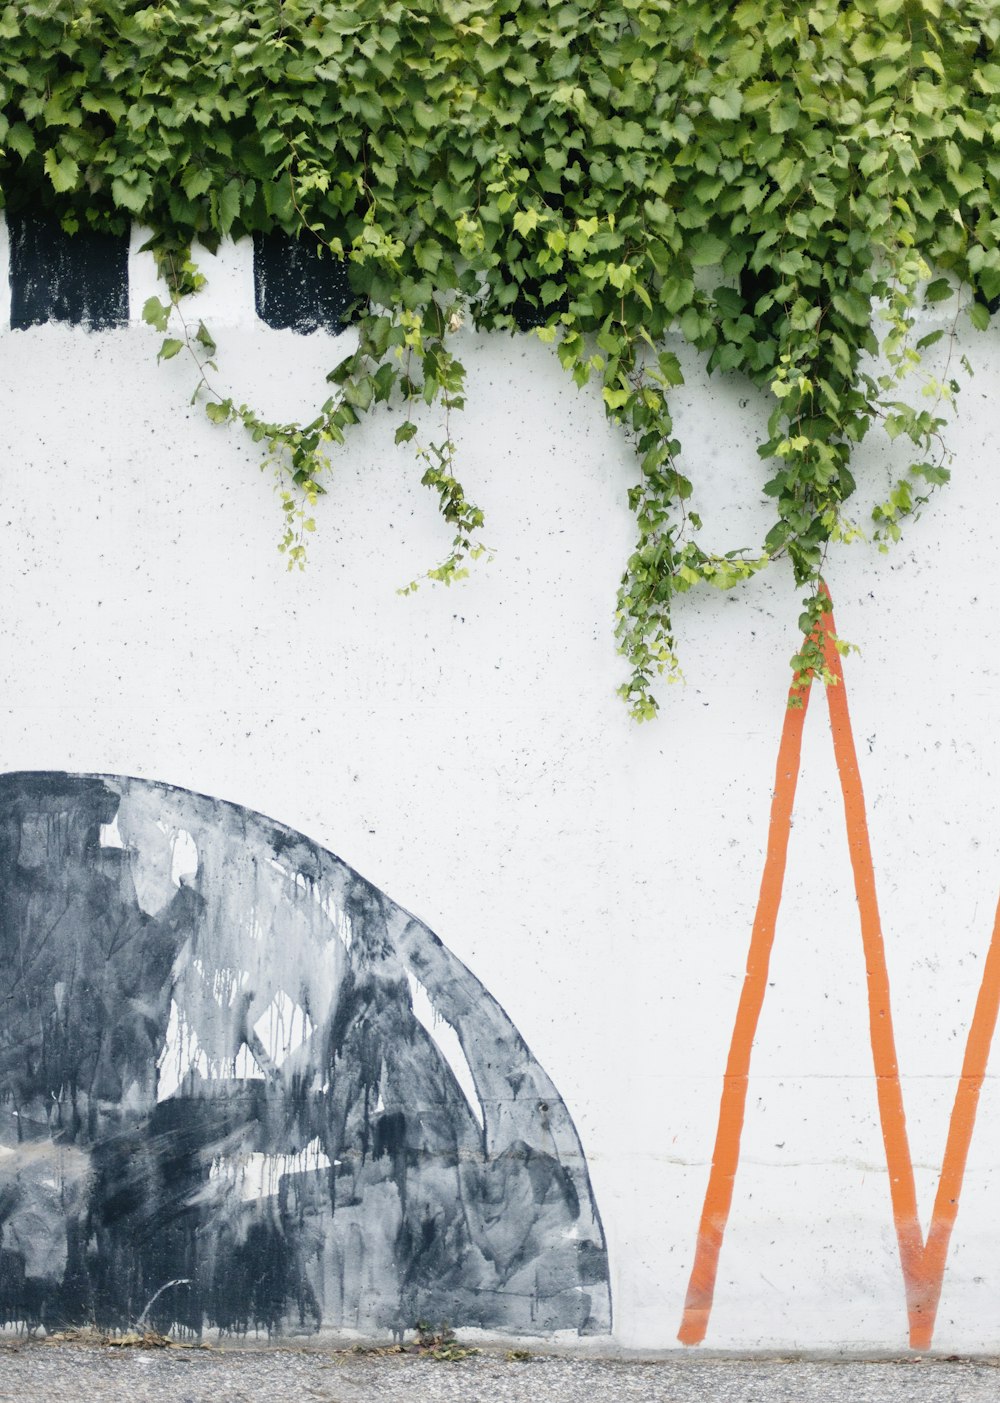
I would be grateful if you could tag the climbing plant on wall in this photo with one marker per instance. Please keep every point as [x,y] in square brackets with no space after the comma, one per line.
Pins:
[781,185]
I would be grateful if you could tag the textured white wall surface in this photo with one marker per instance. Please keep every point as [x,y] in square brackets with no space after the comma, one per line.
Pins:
[465,751]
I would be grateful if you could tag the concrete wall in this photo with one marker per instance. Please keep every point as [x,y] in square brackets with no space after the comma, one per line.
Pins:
[465,752]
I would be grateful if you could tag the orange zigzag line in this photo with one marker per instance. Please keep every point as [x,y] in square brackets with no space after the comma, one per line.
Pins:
[923,1264]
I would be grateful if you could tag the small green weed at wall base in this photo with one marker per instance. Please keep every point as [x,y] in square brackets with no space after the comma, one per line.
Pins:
[782,185]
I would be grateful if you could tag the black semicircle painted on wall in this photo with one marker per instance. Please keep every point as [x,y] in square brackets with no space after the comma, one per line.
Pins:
[240,1087]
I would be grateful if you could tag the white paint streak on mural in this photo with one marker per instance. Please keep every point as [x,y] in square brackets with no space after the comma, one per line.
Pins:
[447,1042]
[257,1176]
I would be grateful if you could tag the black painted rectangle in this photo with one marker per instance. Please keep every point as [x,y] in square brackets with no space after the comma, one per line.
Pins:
[79,278]
[300,286]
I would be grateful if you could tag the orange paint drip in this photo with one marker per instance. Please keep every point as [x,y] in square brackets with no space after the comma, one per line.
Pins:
[923,1265]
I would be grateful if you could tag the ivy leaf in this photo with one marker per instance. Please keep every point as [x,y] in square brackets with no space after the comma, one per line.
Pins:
[938,290]
[360,393]
[204,338]
[229,204]
[131,197]
[64,174]
[670,368]
[979,315]
[170,348]
[195,181]
[726,107]
[383,381]
[21,139]
[853,305]
[706,249]
[784,116]
[155,313]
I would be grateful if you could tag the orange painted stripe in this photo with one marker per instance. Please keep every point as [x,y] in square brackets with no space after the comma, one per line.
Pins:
[902,1188]
[923,1266]
[726,1155]
[926,1294]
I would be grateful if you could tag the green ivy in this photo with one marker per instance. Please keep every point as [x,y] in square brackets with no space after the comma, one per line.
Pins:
[779,183]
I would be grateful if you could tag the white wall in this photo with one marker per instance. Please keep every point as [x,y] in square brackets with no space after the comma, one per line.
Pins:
[465,751]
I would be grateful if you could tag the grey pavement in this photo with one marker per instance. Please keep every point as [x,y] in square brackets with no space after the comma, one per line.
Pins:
[60,1372]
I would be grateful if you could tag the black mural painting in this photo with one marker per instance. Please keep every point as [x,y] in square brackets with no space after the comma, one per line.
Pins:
[241,1088]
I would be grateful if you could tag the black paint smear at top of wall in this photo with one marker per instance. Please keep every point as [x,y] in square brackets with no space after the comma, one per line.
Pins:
[300,287]
[80,278]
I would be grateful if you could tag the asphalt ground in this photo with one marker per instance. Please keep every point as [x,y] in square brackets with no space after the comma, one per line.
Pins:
[94,1373]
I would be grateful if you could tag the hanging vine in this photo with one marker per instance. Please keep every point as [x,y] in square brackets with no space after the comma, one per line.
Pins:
[781,185]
